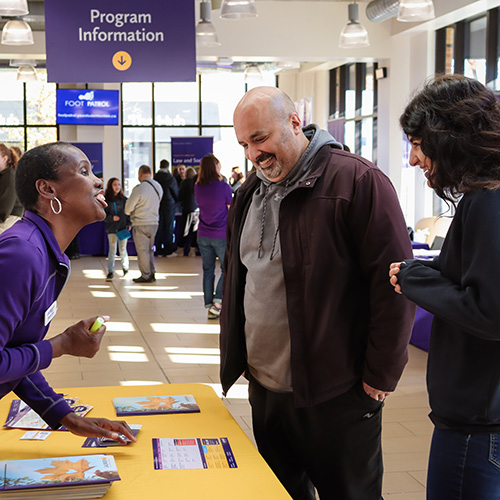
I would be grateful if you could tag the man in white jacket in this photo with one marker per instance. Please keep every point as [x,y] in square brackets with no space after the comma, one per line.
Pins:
[143,208]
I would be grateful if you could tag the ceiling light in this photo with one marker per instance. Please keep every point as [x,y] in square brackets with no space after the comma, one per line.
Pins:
[205,30]
[17,32]
[238,9]
[13,7]
[415,10]
[354,34]
[22,62]
[27,74]
[253,74]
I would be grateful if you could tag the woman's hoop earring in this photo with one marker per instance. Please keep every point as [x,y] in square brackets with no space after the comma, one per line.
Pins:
[59,210]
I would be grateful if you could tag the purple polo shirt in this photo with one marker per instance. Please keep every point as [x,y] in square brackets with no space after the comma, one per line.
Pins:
[213,200]
[33,271]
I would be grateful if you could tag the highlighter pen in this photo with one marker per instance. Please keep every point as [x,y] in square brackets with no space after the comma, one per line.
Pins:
[97,324]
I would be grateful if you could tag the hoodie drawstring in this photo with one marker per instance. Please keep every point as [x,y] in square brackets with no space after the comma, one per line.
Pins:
[263,221]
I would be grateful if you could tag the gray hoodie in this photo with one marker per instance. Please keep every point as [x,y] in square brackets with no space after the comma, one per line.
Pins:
[266,329]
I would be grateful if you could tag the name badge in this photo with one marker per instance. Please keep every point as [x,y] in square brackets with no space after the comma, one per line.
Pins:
[50,312]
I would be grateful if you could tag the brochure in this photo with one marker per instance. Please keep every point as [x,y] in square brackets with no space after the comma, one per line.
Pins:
[155,405]
[196,453]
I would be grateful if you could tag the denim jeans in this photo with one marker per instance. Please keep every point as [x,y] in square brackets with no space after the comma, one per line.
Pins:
[464,466]
[210,248]
[113,240]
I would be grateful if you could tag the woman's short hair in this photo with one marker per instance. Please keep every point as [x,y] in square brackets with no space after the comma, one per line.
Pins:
[208,170]
[457,122]
[41,162]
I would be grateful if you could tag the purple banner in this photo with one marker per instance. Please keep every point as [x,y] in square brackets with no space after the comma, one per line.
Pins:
[93,151]
[190,150]
[126,41]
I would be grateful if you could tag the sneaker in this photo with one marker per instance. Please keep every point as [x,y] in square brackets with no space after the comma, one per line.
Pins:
[125,271]
[214,312]
[141,279]
[109,277]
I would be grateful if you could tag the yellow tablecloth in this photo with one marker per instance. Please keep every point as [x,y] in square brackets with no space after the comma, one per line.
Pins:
[252,480]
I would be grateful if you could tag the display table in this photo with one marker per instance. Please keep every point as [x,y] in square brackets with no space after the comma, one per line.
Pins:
[252,480]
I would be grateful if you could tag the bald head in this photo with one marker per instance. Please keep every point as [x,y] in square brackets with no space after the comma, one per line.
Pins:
[269,128]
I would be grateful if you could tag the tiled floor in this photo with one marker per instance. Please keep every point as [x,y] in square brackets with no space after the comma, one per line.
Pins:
[159,333]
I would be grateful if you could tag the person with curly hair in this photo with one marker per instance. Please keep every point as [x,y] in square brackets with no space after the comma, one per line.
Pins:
[453,126]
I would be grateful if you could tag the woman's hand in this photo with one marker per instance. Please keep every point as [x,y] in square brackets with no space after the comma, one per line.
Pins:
[97,427]
[77,340]
[394,269]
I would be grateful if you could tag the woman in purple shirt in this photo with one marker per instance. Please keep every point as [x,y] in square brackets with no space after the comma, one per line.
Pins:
[55,184]
[213,197]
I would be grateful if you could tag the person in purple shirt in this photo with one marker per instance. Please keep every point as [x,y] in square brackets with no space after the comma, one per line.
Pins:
[213,197]
[55,184]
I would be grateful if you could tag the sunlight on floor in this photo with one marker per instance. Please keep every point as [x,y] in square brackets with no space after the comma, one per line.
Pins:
[191,350]
[119,326]
[185,328]
[165,295]
[194,359]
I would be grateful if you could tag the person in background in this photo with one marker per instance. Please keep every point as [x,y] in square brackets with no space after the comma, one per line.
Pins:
[453,125]
[55,184]
[143,208]
[237,179]
[190,213]
[116,220]
[18,209]
[165,235]
[308,314]
[8,163]
[213,197]
[179,174]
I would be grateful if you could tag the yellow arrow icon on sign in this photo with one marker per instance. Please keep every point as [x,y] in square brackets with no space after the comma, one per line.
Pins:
[122,60]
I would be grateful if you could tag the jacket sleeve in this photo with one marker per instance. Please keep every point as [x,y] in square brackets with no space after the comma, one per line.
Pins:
[381,237]
[132,201]
[20,365]
[174,188]
[110,212]
[471,304]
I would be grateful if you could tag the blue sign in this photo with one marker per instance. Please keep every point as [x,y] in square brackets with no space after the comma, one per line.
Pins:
[190,150]
[126,41]
[93,151]
[87,107]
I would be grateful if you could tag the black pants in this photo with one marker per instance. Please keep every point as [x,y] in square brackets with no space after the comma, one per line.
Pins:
[334,446]
[164,240]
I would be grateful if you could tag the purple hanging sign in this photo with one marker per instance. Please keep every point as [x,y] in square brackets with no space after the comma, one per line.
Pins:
[126,41]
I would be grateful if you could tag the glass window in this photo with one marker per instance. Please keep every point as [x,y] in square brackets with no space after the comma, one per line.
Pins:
[367,92]
[11,104]
[350,135]
[176,103]
[475,60]
[137,103]
[220,93]
[449,47]
[163,147]
[41,101]
[36,136]
[12,136]
[226,148]
[367,138]
[137,151]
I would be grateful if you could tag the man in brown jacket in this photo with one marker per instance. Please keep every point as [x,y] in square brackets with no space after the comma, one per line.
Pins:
[308,313]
